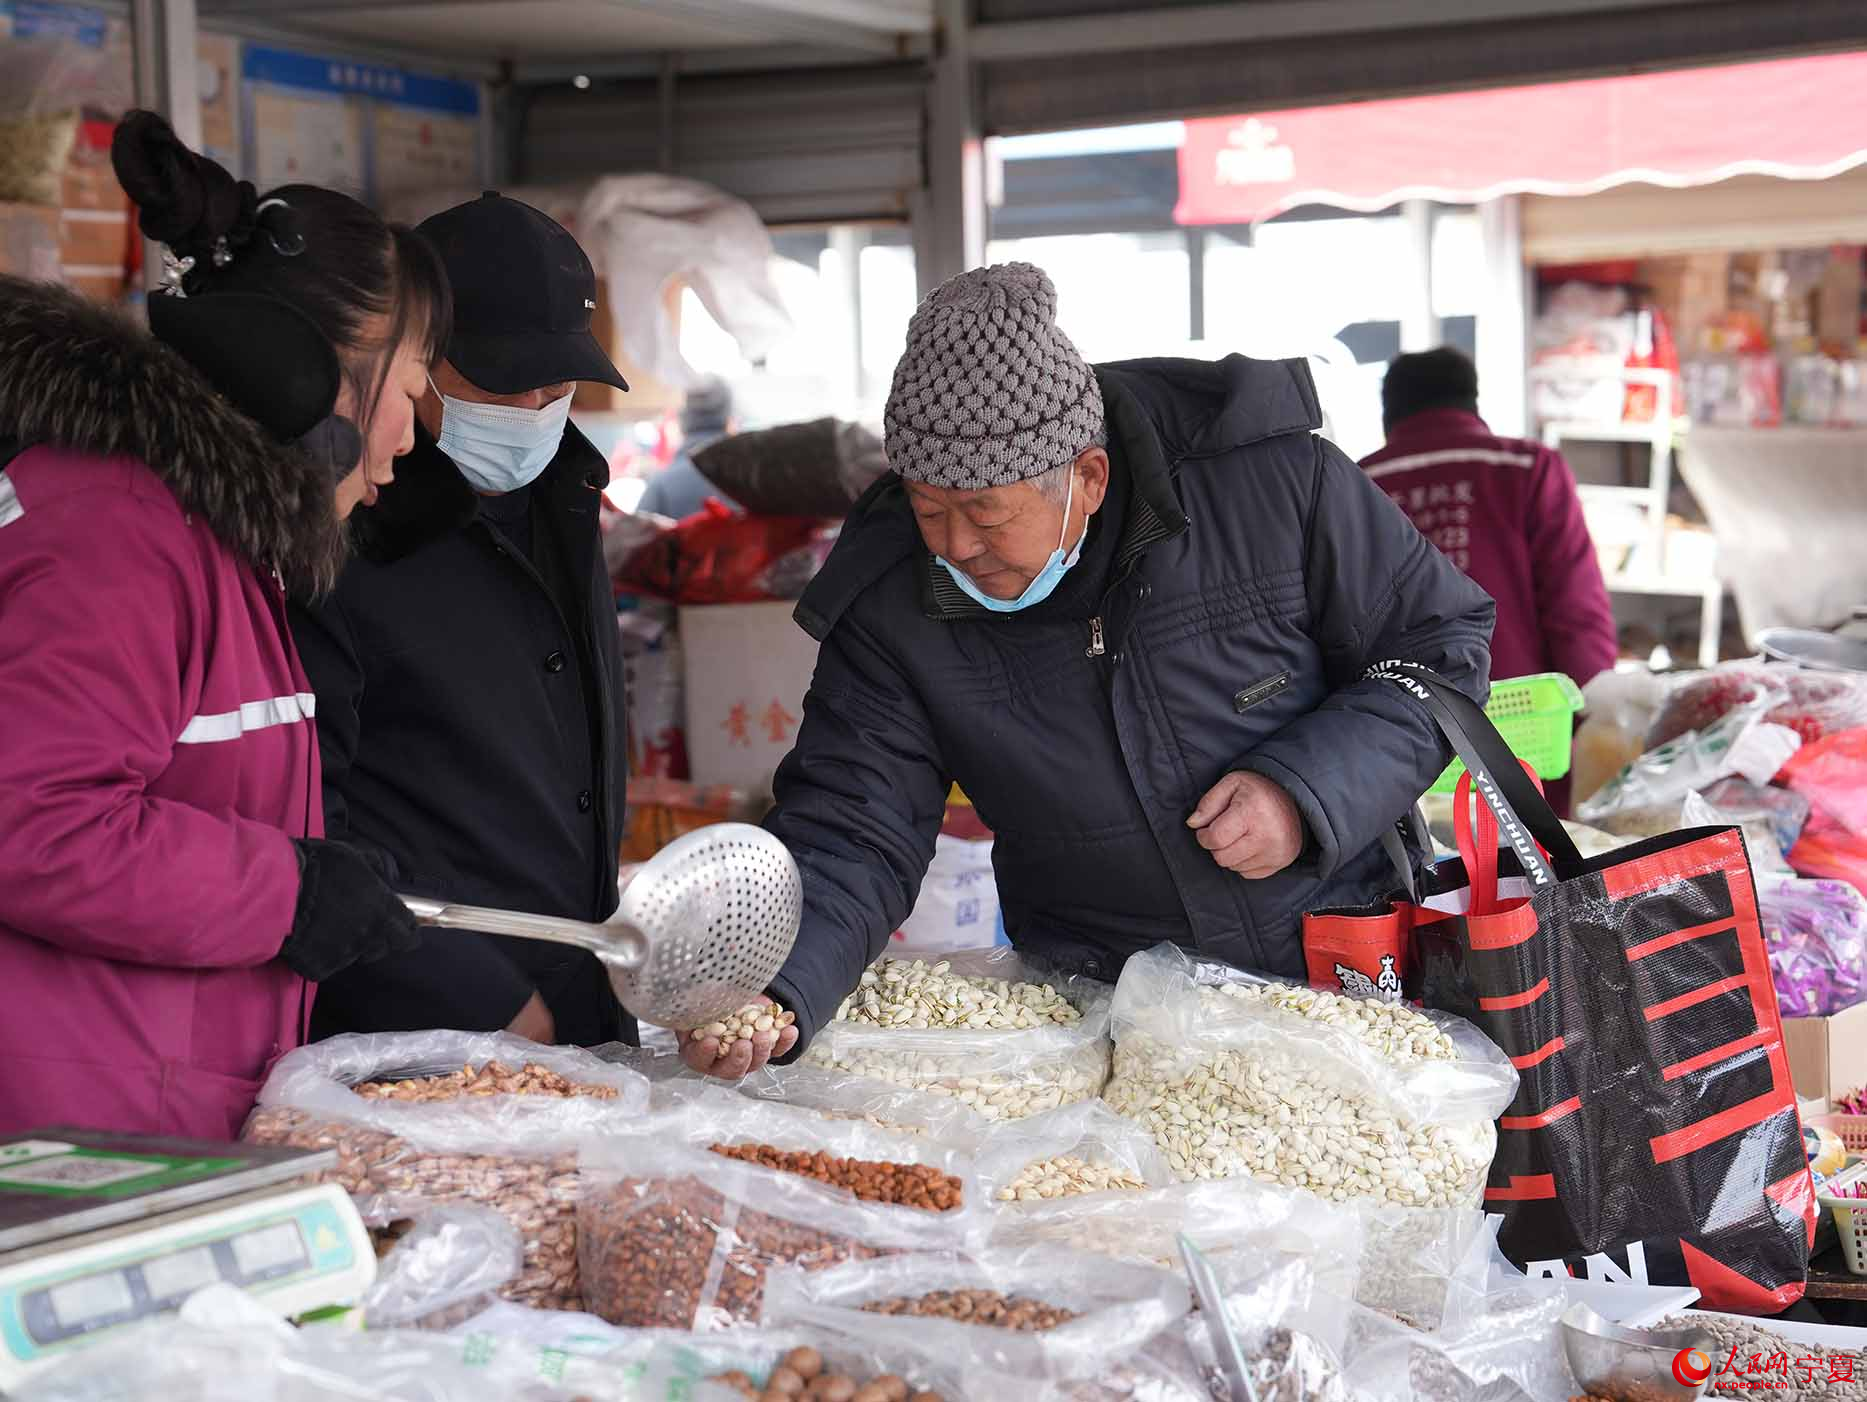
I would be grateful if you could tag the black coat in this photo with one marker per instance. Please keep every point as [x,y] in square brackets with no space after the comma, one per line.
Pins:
[470,716]
[1244,575]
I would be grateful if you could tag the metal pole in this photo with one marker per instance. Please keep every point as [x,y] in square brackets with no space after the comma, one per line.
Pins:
[1196,284]
[162,42]
[954,212]
[1419,326]
[848,241]
[1503,323]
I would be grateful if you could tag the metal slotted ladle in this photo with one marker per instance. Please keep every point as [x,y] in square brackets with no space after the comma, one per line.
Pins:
[702,928]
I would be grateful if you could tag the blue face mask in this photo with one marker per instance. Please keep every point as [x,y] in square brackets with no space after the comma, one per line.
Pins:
[498,448]
[1047,579]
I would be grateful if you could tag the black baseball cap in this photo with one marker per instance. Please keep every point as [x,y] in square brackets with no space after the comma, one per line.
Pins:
[523,294]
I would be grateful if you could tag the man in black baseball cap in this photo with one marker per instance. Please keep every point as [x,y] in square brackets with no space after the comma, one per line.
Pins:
[469,682]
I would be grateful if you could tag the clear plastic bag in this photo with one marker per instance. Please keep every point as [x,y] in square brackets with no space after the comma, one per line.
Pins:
[1811,703]
[1118,1310]
[1739,742]
[838,1095]
[447,1268]
[1236,1074]
[1816,931]
[673,1235]
[228,1348]
[1089,1133]
[999,1074]
[1757,828]
[514,1153]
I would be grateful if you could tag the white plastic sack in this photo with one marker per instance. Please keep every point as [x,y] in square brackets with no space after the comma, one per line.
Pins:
[1238,1074]
[673,1235]
[958,904]
[1089,1131]
[1000,1074]
[1119,1309]
[445,1270]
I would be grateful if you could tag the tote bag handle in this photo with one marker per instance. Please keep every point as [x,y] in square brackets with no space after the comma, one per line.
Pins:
[1525,819]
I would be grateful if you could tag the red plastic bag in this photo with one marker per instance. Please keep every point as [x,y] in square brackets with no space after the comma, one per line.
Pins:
[718,556]
[1832,774]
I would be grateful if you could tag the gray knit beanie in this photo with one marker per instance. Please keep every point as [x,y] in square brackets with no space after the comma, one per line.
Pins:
[989,391]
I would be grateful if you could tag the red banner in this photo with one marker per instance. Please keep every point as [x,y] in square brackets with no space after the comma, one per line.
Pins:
[1802,118]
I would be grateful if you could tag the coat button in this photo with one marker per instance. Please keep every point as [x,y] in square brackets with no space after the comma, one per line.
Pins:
[1143,590]
[1092,969]
[555,662]
[583,801]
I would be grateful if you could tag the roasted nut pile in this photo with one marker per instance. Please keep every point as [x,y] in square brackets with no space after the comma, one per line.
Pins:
[494,1078]
[744,1025]
[929,999]
[676,1254]
[1281,1114]
[1018,1312]
[1065,1176]
[537,1195]
[803,1377]
[1396,1032]
[918,995]
[872,1180]
[1831,1375]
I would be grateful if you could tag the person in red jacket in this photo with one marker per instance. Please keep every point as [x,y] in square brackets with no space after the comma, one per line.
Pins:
[1507,513]
[167,896]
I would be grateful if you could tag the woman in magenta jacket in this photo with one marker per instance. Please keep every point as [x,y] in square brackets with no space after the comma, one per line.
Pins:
[165,893]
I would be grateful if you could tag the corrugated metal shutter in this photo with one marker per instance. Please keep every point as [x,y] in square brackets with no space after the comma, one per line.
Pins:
[804,146]
[1038,91]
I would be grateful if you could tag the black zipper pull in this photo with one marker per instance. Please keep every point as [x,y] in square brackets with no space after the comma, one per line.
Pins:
[1095,638]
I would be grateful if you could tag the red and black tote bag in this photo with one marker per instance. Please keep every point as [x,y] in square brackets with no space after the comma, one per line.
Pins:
[1655,1135]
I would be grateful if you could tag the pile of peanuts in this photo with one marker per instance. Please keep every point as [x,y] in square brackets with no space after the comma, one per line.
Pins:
[916,997]
[871,1180]
[537,1195]
[1064,1176]
[1025,1315]
[494,1078]
[677,1254]
[914,994]
[802,1377]
[744,1025]
[1278,1113]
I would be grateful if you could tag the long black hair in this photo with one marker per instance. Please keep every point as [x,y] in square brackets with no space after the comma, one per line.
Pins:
[365,284]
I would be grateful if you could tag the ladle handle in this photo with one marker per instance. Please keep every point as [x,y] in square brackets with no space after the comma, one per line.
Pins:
[615,944]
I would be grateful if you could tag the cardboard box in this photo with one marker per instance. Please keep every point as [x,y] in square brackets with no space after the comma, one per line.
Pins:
[94,240]
[747,668]
[1827,1055]
[29,241]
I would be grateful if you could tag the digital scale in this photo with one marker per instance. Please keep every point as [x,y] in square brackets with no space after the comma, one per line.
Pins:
[99,1231]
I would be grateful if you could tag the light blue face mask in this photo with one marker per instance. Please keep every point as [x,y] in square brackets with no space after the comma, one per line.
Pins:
[1047,579]
[498,448]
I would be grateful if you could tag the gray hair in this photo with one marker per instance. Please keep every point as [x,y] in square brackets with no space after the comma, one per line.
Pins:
[1054,482]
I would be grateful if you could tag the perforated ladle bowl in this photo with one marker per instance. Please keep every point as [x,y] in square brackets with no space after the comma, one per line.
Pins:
[702,928]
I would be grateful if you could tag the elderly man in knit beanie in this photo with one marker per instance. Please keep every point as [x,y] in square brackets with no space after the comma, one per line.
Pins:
[1130,610]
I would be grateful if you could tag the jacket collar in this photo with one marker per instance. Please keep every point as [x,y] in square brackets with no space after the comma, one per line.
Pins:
[430,499]
[1431,426]
[77,376]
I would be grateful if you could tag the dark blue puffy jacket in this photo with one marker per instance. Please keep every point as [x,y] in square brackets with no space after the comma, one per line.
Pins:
[1242,574]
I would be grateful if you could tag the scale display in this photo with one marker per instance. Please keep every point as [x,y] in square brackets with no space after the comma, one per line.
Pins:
[297,1248]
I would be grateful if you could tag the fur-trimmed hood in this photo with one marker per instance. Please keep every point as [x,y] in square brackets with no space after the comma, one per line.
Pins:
[80,377]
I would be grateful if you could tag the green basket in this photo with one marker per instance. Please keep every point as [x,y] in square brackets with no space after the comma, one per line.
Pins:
[1536,717]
